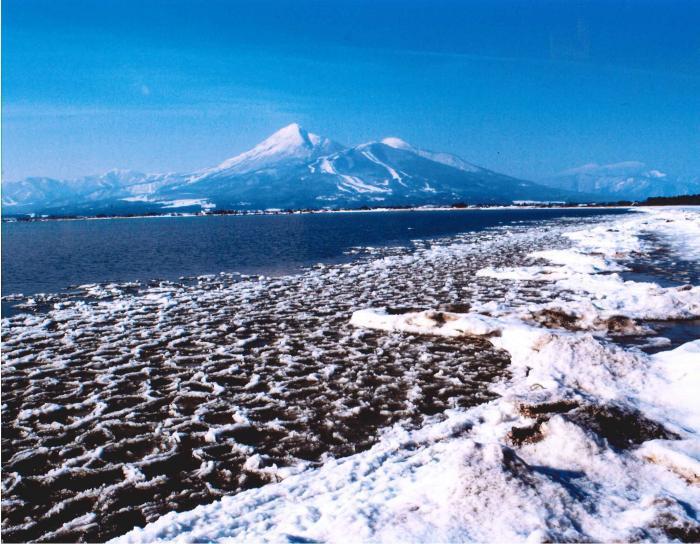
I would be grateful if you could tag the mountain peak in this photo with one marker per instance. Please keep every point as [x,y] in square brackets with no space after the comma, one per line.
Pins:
[291,142]
[397,143]
[292,134]
[292,127]
[286,139]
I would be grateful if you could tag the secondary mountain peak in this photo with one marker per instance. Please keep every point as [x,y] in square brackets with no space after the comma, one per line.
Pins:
[443,158]
[397,143]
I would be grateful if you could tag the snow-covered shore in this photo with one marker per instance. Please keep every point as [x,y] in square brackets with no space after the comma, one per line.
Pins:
[322,211]
[587,441]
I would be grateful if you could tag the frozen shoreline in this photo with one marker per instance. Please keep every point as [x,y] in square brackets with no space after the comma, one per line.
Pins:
[587,441]
[321,212]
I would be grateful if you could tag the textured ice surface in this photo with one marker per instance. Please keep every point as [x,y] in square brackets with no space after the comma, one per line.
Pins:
[122,402]
[588,440]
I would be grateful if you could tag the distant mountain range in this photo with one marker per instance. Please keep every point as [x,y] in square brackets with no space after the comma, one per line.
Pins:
[296,169]
[629,180]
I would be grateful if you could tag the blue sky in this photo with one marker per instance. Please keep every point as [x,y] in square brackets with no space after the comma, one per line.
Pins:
[525,88]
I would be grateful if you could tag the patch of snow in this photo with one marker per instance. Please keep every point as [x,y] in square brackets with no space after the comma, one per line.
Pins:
[394,174]
[355,184]
[326,166]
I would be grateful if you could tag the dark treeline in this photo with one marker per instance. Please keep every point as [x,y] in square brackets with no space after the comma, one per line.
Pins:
[685,200]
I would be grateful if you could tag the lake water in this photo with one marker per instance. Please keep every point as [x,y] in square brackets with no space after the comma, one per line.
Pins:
[51,256]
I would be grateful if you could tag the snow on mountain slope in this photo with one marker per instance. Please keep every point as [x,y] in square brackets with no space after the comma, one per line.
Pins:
[290,143]
[293,168]
[443,158]
[623,180]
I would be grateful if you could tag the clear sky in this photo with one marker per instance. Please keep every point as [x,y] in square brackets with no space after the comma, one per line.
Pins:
[525,88]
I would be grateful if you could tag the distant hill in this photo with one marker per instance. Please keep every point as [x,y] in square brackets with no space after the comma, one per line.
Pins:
[629,180]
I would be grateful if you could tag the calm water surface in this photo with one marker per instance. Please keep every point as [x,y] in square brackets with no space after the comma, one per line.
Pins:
[51,256]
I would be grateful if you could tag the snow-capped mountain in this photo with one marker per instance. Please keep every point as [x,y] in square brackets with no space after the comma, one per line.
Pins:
[630,180]
[289,145]
[292,168]
[37,194]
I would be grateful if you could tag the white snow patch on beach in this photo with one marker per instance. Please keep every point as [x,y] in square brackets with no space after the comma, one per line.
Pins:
[589,269]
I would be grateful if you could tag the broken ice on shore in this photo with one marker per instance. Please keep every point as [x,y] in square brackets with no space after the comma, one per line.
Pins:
[588,440]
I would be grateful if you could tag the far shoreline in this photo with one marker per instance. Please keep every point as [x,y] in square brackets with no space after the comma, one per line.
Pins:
[14,219]
[684,201]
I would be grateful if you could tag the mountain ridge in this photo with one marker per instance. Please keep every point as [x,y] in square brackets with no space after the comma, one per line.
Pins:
[292,168]
[626,180]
